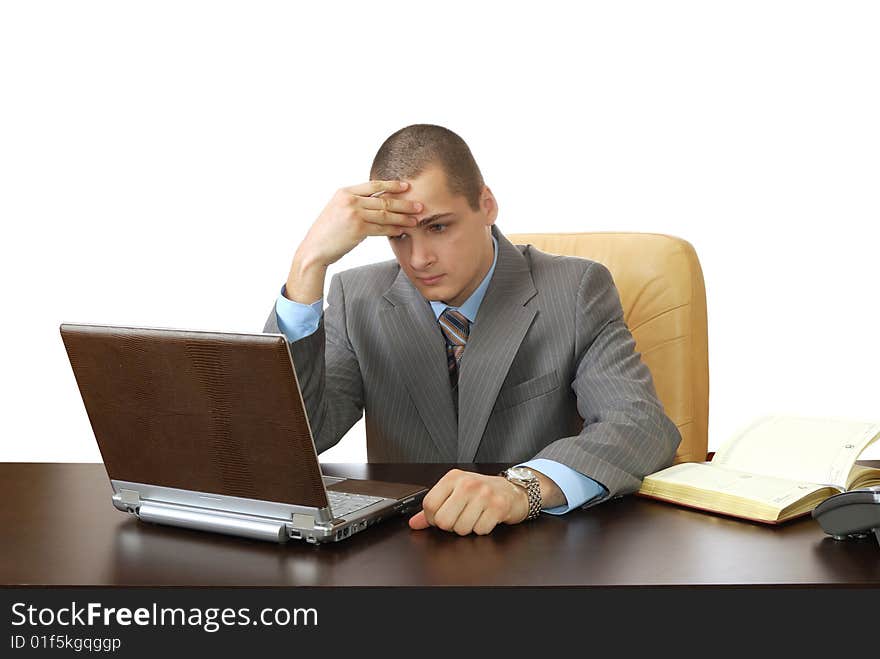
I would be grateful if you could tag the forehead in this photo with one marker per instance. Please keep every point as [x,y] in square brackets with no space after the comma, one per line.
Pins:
[430,188]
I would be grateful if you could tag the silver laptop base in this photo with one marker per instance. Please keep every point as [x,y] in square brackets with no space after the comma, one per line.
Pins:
[207,520]
[274,522]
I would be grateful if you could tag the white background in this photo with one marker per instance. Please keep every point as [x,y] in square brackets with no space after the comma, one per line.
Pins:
[161,161]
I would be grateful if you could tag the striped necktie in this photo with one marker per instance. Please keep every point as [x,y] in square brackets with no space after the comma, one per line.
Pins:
[455,328]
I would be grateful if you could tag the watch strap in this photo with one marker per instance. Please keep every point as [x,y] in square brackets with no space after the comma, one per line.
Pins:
[533,491]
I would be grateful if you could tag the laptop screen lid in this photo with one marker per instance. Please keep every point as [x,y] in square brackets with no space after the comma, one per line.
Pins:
[203,411]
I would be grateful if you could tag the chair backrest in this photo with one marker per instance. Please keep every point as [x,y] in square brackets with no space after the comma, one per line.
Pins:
[663,295]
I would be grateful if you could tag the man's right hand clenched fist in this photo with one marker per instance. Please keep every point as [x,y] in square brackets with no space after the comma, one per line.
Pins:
[355,213]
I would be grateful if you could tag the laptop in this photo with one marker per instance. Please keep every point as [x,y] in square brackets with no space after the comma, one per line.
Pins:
[208,430]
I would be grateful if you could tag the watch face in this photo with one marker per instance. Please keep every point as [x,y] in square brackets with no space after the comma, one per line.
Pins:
[522,473]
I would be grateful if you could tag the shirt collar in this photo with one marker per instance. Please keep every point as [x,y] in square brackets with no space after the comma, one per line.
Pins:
[472,304]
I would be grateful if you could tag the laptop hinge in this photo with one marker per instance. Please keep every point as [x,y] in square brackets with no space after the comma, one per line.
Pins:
[321,520]
[303,521]
[204,519]
[130,498]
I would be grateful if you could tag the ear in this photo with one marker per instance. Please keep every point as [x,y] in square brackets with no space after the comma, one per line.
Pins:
[489,205]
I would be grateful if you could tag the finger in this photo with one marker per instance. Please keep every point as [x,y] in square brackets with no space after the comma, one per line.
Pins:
[387,218]
[438,494]
[405,206]
[447,515]
[487,521]
[468,517]
[377,186]
[418,521]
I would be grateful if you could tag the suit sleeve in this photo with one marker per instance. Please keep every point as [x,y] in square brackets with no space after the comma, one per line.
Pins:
[626,434]
[328,372]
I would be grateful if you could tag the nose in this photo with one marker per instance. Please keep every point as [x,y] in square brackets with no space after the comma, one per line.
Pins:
[421,256]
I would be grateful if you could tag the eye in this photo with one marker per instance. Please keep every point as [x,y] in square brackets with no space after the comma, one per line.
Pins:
[441,228]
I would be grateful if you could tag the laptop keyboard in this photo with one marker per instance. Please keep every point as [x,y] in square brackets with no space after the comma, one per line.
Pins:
[345,503]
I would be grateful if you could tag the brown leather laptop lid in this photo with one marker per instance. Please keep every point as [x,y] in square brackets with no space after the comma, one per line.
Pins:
[210,412]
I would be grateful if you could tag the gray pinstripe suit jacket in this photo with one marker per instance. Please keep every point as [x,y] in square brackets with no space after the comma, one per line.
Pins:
[549,371]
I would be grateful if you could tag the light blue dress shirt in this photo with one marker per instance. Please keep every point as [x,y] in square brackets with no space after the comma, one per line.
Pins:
[297,321]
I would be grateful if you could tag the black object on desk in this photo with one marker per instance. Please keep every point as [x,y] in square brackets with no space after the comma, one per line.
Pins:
[849,515]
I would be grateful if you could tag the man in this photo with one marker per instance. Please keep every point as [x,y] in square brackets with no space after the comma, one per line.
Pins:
[466,348]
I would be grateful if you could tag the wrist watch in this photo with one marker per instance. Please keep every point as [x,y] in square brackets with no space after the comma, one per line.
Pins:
[528,480]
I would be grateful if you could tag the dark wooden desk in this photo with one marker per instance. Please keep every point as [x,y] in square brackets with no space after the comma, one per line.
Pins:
[59,528]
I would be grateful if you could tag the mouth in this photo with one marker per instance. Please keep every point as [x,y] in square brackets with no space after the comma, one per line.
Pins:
[430,280]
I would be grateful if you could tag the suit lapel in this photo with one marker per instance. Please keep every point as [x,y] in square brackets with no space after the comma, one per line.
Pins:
[502,323]
[419,352]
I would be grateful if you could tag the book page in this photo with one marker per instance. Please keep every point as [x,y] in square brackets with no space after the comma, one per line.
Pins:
[799,448]
[862,476]
[776,492]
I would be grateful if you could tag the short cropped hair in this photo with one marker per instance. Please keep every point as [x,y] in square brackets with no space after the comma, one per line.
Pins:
[411,150]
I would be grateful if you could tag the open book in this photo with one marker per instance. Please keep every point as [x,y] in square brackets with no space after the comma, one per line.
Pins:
[777,468]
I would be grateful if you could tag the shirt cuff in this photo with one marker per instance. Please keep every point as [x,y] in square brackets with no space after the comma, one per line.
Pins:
[296,320]
[577,488]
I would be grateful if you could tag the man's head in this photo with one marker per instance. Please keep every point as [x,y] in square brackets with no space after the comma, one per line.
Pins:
[444,177]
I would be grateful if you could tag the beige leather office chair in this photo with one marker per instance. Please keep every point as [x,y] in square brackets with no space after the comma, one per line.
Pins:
[664,305]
